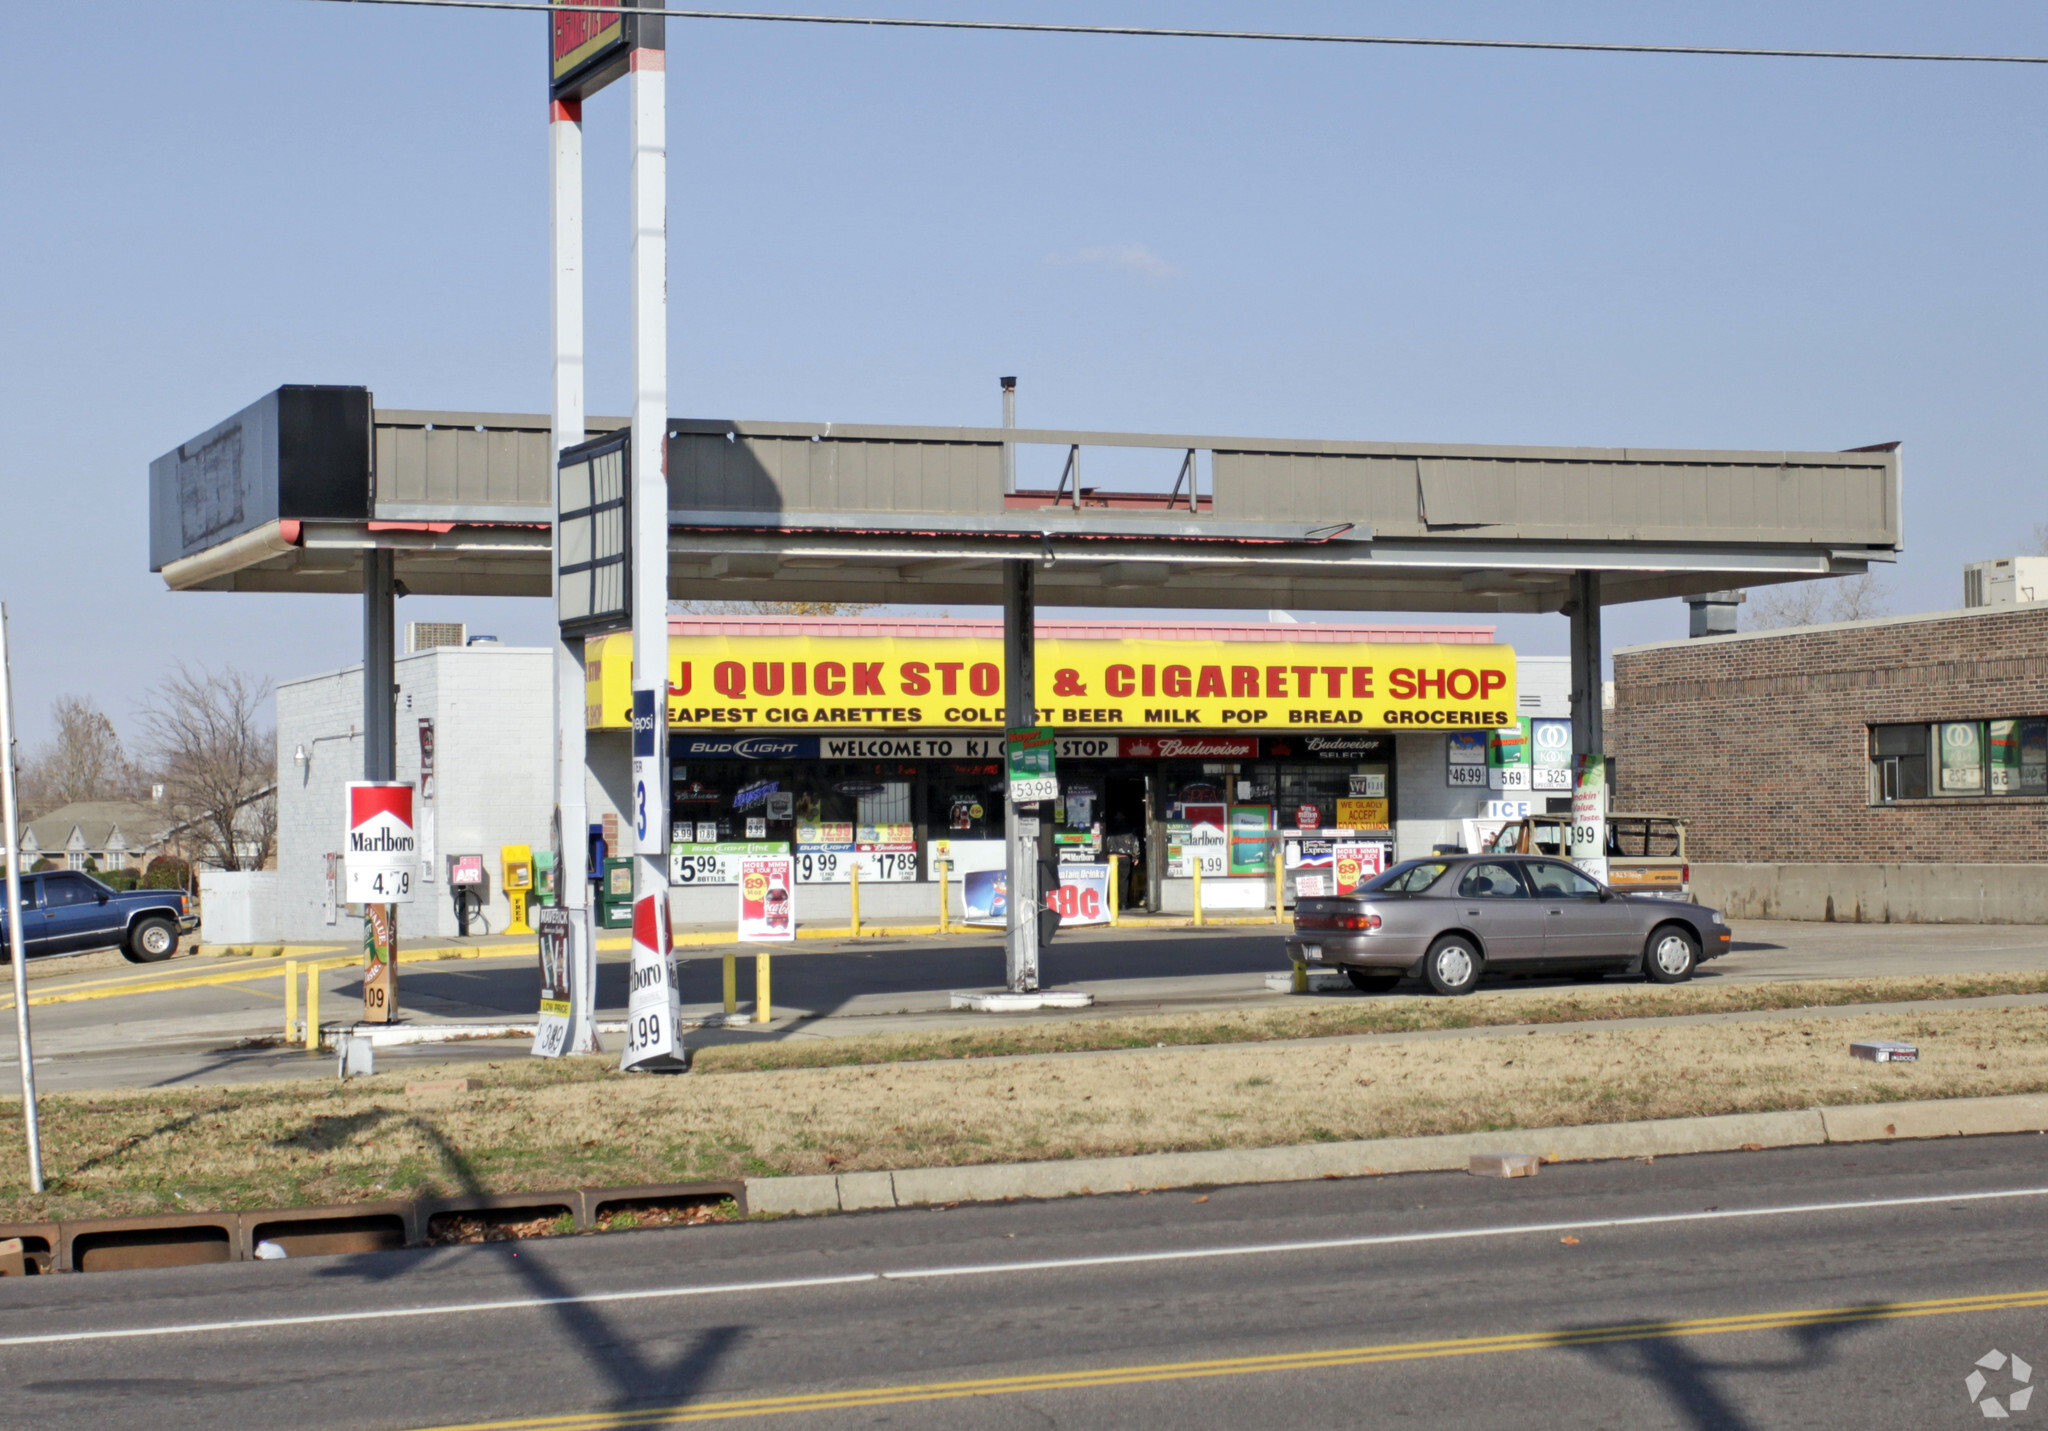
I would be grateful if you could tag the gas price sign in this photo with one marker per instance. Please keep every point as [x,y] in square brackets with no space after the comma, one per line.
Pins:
[380,849]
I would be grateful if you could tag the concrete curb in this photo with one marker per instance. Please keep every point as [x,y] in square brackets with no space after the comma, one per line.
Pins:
[995,1182]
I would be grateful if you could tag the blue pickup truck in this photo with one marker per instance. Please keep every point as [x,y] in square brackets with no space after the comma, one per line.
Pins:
[70,912]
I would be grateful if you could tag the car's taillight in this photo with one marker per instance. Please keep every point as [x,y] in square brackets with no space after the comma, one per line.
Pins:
[1367,921]
[1685,874]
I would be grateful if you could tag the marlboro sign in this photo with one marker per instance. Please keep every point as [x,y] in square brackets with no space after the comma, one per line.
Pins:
[380,849]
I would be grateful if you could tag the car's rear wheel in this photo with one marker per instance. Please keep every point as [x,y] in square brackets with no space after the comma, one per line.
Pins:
[1672,954]
[151,941]
[1372,981]
[1452,965]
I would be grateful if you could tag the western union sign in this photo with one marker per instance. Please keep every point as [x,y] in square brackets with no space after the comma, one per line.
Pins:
[914,682]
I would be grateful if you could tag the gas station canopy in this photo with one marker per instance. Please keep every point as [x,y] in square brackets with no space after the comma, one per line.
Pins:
[289,494]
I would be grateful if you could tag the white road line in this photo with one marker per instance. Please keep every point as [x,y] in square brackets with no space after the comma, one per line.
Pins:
[1392,1239]
[993,1269]
[446,1309]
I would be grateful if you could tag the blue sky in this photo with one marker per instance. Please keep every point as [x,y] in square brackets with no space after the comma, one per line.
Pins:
[1155,235]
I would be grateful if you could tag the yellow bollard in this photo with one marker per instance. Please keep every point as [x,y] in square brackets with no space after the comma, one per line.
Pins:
[1301,978]
[1196,860]
[1279,884]
[945,904]
[313,1009]
[1113,906]
[732,981]
[764,1009]
[291,999]
[855,873]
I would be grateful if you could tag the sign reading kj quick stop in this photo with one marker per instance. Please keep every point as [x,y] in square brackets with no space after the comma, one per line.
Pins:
[380,848]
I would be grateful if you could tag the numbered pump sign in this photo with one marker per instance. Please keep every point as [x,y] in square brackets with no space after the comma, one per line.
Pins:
[380,846]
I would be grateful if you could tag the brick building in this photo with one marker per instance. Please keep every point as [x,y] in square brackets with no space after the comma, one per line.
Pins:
[1891,769]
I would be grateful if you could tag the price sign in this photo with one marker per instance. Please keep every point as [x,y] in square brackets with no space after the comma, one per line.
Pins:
[556,927]
[380,849]
[1032,776]
[837,866]
[716,863]
[650,792]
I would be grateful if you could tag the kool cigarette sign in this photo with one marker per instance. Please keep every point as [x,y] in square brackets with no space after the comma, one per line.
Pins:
[380,849]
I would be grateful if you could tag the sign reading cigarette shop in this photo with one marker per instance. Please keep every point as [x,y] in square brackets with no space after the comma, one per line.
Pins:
[951,683]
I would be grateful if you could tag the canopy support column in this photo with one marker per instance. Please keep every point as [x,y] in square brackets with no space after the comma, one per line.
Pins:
[1020,822]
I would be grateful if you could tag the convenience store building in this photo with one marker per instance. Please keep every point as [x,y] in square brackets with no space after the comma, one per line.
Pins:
[875,745]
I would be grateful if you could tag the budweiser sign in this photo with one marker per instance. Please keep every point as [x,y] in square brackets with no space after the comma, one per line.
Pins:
[1192,747]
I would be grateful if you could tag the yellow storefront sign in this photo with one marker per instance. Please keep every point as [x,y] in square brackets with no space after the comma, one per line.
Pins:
[956,683]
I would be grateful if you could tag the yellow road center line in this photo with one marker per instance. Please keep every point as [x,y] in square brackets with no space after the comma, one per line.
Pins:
[1243,1366]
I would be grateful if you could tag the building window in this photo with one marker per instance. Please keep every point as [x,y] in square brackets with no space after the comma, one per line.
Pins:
[1959,759]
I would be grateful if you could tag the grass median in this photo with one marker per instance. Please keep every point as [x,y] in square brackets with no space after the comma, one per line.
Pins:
[533,1124]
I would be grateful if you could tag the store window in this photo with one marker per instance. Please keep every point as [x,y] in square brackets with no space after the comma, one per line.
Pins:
[1959,759]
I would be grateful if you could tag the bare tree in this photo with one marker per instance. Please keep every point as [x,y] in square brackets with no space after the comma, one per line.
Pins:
[2041,538]
[219,761]
[1809,603]
[771,608]
[82,760]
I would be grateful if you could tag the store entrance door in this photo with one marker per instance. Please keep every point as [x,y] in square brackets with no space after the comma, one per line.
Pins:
[1126,802]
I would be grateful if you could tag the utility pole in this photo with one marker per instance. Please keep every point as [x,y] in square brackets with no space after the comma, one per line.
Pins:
[11,811]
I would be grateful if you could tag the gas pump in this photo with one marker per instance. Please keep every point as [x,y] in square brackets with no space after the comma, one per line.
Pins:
[517,862]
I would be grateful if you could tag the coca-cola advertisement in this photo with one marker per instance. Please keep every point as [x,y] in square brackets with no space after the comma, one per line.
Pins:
[767,899]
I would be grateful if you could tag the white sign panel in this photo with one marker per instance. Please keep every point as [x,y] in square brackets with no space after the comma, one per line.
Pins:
[715,863]
[380,847]
[1082,895]
[1589,818]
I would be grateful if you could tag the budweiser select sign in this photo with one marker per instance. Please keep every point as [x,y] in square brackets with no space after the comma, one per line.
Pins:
[380,847]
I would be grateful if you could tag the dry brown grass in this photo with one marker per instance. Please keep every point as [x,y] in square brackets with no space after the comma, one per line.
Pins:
[536,1125]
[1324,1018]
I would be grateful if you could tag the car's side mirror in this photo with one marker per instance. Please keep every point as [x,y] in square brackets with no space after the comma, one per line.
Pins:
[1605,894]
[104,898]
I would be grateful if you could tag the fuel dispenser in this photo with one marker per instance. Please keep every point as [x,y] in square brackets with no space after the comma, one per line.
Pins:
[517,863]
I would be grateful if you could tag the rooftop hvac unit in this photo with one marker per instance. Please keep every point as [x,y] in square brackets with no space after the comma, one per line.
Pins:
[2005,582]
[426,635]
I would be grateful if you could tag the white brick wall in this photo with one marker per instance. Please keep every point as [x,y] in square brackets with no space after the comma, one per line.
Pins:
[493,714]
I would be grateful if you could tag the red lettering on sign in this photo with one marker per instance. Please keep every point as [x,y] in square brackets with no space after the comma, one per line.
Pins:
[799,678]
[1177,681]
[1117,680]
[1210,683]
[1401,684]
[1334,677]
[1146,683]
[949,676]
[1491,681]
[767,678]
[729,679]
[1361,683]
[1304,681]
[1067,683]
[1470,681]
[867,678]
[984,679]
[1244,681]
[915,681]
[831,678]
[1276,682]
[681,688]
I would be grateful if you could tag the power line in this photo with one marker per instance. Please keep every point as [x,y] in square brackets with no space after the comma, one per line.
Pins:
[1158,32]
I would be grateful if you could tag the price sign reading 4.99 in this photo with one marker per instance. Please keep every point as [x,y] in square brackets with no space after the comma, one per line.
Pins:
[380,850]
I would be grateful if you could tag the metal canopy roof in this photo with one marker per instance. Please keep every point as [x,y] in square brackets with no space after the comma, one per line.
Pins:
[828,512]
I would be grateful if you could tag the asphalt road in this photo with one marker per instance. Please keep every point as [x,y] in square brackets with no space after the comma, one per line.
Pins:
[1255,1308]
[861,986]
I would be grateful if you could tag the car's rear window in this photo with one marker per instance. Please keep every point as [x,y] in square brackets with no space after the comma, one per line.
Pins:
[1409,877]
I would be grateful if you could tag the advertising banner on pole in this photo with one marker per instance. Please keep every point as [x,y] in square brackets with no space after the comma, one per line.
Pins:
[1032,776]
[767,899]
[380,964]
[1589,817]
[558,928]
[380,846]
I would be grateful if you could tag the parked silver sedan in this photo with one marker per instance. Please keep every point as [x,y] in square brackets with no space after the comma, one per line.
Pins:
[1452,918]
